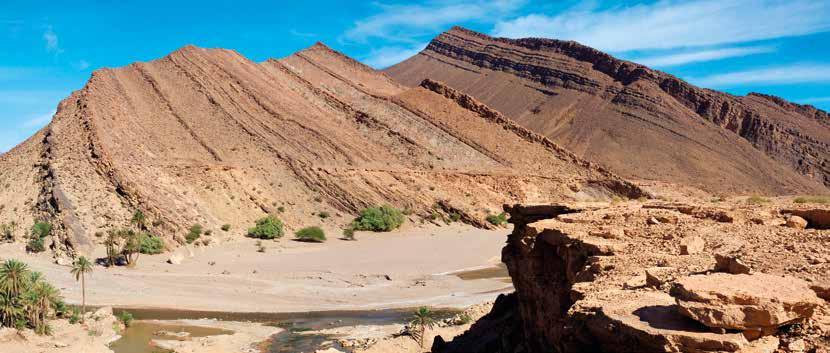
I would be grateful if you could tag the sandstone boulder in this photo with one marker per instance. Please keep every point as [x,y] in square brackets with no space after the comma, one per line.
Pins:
[796,222]
[175,259]
[731,264]
[692,245]
[758,303]
[658,276]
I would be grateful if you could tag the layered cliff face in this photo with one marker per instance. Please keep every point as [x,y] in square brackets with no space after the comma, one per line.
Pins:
[207,136]
[639,122]
[660,277]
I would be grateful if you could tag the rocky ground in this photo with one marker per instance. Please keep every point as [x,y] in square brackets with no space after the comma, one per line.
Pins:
[734,275]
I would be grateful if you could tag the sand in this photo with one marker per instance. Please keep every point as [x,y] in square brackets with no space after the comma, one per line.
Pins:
[381,270]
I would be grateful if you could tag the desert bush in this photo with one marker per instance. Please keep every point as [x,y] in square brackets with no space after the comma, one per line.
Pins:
[311,234]
[378,219]
[497,220]
[281,209]
[348,233]
[150,245]
[455,217]
[41,229]
[812,199]
[323,215]
[226,227]
[267,228]
[126,318]
[194,233]
[756,200]
[35,245]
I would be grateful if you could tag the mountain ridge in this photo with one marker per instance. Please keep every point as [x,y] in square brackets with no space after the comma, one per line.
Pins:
[546,85]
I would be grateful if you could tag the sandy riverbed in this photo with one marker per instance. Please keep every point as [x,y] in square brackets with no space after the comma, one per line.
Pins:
[381,270]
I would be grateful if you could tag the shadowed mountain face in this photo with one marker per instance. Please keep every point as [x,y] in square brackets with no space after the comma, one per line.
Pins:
[207,136]
[640,123]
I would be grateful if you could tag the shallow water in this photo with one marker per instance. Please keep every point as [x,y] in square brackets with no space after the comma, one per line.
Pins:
[496,272]
[137,337]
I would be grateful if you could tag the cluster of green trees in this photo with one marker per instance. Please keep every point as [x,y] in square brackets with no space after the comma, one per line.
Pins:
[26,299]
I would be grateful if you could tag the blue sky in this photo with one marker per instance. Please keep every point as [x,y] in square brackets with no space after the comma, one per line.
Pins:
[50,48]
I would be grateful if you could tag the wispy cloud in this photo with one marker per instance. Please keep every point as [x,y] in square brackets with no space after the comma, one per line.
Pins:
[38,121]
[702,56]
[406,23]
[812,100]
[52,44]
[675,24]
[384,57]
[781,75]
[82,65]
[297,33]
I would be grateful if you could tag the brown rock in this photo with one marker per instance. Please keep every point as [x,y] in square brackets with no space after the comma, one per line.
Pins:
[608,233]
[745,302]
[796,222]
[730,264]
[692,245]
[822,290]
[658,276]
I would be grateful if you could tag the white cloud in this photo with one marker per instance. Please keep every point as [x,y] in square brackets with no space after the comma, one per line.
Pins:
[674,24]
[387,56]
[83,65]
[781,75]
[51,39]
[701,56]
[405,23]
[38,121]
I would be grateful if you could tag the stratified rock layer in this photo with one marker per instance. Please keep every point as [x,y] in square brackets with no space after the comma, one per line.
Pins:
[639,122]
[206,136]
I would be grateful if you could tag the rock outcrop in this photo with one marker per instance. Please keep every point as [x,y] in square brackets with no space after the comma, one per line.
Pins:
[206,136]
[623,115]
[577,291]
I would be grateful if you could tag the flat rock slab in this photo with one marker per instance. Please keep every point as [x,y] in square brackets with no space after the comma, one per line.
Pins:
[758,302]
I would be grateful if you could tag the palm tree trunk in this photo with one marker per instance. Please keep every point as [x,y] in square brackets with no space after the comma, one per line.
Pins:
[83,296]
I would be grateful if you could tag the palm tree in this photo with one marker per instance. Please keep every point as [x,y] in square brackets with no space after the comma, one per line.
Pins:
[80,268]
[10,310]
[139,220]
[13,277]
[111,243]
[39,301]
[421,321]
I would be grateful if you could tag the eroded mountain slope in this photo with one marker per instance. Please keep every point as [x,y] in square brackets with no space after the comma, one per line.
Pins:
[640,123]
[206,136]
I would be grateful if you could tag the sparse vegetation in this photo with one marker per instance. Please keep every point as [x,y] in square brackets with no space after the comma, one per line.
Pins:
[139,220]
[194,233]
[267,228]
[311,234]
[455,217]
[497,220]
[348,233]
[421,321]
[378,219]
[323,215]
[756,200]
[150,245]
[40,230]
[26,299]
[813,199]
[226,227]
[7,230]
[281,209]
[126,318]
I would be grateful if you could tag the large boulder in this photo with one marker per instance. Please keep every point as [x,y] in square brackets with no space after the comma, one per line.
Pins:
[754,303]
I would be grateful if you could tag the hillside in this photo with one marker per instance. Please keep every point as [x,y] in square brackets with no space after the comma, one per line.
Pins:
[640,123]
[207,136]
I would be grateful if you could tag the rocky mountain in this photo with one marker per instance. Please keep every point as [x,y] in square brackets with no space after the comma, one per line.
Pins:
[206,136]
[640,123]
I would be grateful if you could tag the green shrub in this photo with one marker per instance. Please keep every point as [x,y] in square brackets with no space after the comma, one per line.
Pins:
[497,220]
[41,229]
[756,200]
[812,199]
[378,219]
[311,234]
[267,228]
[323,215]
[455,216]
[35,245]
[150,245]
[348,233]
[76,316]
[280,209]
[226,227]
[194,233]
[126,318]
